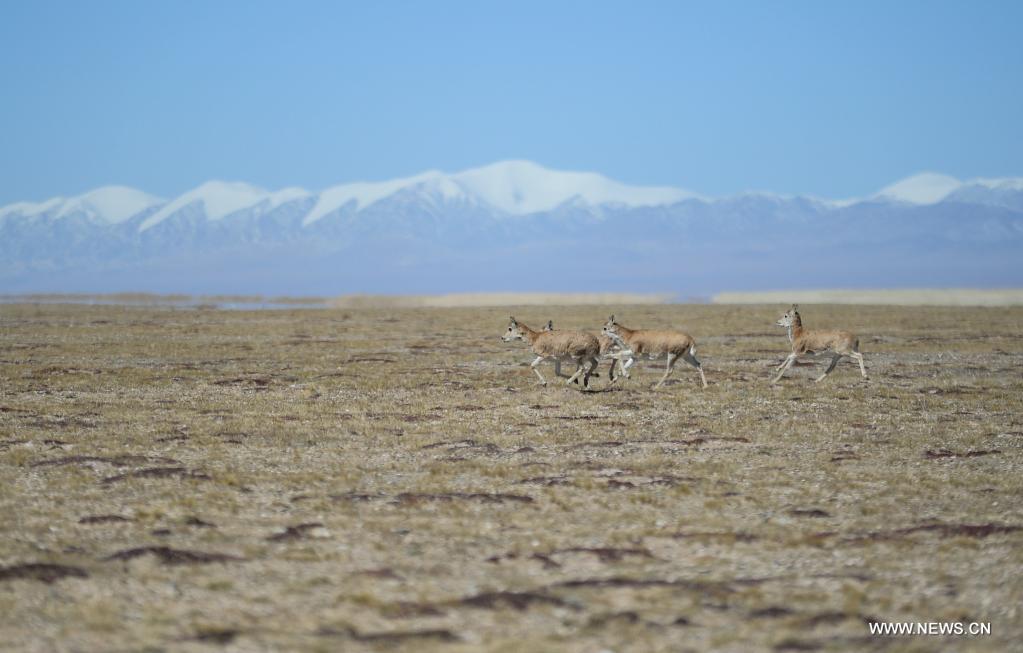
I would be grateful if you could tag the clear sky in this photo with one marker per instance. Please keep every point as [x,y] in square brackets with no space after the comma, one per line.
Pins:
[824,98]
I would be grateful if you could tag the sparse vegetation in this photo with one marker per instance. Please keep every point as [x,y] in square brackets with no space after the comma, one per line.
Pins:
[362,479]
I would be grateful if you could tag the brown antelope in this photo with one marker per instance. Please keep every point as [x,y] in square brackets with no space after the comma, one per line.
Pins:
[817,342]
[671,344]
[607,350]
[581,348]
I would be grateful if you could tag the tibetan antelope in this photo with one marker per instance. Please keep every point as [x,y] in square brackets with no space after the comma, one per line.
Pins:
[607,350]
[581,348]
[817,342]
[671,344]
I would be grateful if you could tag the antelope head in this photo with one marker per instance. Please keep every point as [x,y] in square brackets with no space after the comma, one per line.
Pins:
[790,317]
[610,327]
[514,332]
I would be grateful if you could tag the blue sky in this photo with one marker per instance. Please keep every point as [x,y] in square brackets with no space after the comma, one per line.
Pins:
[823,98]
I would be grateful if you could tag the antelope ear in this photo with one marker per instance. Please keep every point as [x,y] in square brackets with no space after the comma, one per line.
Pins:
[512,318]
[550,325]
[612,318]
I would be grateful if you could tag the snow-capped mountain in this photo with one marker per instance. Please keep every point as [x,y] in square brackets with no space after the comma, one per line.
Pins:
[511,225]
[931,188]
[106,205]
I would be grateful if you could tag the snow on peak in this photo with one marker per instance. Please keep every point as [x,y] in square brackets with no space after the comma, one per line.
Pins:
[222,198]
[924,188]
[110,204]
[1001,183]
[931,188]
[363,193]
[514,187]
[521,187]
[31,208]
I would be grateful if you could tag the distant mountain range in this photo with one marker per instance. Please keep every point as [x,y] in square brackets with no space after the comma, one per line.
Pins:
[512,226]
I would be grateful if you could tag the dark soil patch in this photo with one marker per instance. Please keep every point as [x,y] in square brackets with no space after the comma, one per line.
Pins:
[843,454]
[169,556]
[979,531]
[547,562]
[296,532]
[727,438]
[669,481]
[465,444]
[199,523]
[410,610]
[357,497]
[159,472]
[606,554]
[547,481]
[392,637]
[102,519]
[828,618]
[383,572]
[122,460]
[50,422]
[808,512]
[42,571]
[948,453]
[222,636]
[624,582]
[771,612]
[412,498]
[9,409]
[797,645]
[626,616]
[257,381]
[724,536]
[172,438]
[515,600]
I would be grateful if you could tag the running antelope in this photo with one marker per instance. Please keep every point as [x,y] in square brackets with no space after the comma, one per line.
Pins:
[581,348]
[817,342]
[671,344]
[607,350]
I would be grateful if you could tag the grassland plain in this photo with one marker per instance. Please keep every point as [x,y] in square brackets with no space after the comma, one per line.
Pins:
[391,478]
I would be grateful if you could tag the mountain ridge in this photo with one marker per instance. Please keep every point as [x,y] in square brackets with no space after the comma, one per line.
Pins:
[512,187]
[510,226]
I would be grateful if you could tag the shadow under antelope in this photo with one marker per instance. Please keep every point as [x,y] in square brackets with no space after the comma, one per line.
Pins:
[655,343]
[817,343]
[577,346]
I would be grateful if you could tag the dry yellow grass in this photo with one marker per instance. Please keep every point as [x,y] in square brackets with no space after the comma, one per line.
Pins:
[904,297]
[360,479]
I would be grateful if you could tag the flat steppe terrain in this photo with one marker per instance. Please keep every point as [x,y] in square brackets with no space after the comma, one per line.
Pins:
[392,479]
